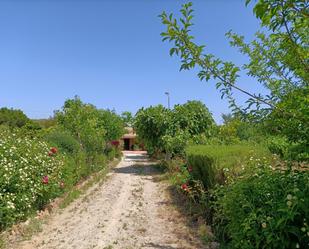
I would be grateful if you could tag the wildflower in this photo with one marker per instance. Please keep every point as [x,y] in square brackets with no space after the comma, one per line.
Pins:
[54,150]
[264,225]
[50,153]
[45,180]
[184,187]
[190,168]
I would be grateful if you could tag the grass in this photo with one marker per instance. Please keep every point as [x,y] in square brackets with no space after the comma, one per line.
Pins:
[229,156]
[70,197]
[2,242]
[34,226]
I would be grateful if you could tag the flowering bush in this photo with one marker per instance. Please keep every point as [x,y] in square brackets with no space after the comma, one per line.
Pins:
[29,176]
[267,209]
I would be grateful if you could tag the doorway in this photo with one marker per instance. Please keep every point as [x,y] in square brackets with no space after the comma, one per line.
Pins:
[126,144]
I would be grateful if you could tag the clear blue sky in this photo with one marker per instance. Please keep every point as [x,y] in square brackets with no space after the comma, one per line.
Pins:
[109,53]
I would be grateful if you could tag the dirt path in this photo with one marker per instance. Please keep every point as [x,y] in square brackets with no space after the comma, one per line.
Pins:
[130,210]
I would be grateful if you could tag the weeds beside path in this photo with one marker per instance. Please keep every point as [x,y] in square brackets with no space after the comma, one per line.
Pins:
[129,210]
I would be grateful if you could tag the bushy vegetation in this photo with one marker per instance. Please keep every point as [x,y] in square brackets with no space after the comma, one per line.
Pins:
[13,118]
[265,208]
[252,201]
[37,165]
[168,130]
[30,175]
[212,164]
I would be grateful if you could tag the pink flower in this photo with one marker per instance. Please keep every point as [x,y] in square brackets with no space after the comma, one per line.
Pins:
[45,180]
[190,168]
[50,153]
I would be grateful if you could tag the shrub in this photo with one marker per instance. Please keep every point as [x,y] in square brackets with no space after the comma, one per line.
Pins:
[176,143]
[278,145]
[286,150]
[13,118]
[29,176]
[268,209]
[208,161]
[63,140]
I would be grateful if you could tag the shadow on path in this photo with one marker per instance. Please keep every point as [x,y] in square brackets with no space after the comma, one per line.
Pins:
[139,169]
[152,245]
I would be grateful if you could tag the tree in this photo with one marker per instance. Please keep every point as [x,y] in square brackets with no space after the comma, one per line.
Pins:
[170,130]
[112,124]
[83,122]
[151,124]
[194,117]
[127,118]
[13,118]
[278,60]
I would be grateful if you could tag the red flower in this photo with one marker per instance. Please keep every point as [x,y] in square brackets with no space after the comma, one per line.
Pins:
[50,153]
[190,168]
[54,150]
[45,180]
[184,187]
[115,143]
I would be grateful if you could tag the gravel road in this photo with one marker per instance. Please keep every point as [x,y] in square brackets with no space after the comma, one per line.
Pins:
[130,210]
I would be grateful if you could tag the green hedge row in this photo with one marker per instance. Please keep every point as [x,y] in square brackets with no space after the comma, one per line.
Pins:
[209,161]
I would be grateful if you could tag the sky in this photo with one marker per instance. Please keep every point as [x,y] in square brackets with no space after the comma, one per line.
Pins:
[110,53]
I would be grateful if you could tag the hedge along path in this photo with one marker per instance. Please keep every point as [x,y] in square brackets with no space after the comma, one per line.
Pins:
[130,210]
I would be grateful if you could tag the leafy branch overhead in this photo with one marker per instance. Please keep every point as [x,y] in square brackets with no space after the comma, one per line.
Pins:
[279,61]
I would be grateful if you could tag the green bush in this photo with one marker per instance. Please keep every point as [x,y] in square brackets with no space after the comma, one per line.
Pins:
[298,152]
[268,209]
[209,161]
[13,118]
[29,176]
[63,140]
[287,150]
[170,131]
[278,145]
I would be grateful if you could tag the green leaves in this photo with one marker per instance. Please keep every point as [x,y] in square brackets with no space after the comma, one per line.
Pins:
[278,60]
[170,130]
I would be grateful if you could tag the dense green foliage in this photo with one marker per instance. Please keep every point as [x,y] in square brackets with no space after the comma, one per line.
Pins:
[37,165]
[13,118]
[171,130]
[127,118]
[267,209]
[82,121]
[24,165]
[212,164]
[112,123]
[63,140]
[255,202]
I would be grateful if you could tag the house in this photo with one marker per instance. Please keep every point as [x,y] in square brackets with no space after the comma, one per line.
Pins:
[129,139]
